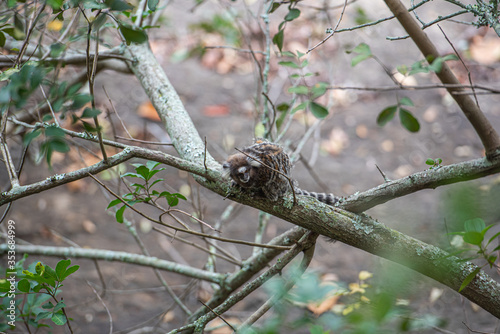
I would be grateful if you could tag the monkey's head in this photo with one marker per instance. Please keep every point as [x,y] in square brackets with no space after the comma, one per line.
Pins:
[242,170]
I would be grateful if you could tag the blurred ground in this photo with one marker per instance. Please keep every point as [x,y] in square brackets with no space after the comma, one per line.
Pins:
[218,92]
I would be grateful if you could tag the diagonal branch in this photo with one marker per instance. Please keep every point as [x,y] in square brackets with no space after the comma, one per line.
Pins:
[483,127]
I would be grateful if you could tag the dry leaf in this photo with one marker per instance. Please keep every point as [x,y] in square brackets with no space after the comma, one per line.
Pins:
[89,226]
[216,110]
[325,306]
[147,111]
[485,50]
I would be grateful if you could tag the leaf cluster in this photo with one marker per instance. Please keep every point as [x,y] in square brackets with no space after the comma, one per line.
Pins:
[40,283]
[143,192]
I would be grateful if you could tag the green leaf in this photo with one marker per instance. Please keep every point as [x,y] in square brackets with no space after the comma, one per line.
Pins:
[386,115]
[275,6]
[278,39]
[469,279]
[288,64]
[132,34]
[113,203]
[90,113]
[304,90]
[61,268]
[318,110]
[24,285]
[364,52]
[152,4]
[493,238]
[58,318]
[30,136]
[473,238]
[319,89]
[133,175]
[43,315]
[408,120]
[119,214]
[56,49]
[71,270]
[405,101]
[54,131]
[301,106]
[118,5]
[474,225]
[59,306]
[292,14]
[429,162]
[358,59]
[80,100]
[403,69]
[153,164]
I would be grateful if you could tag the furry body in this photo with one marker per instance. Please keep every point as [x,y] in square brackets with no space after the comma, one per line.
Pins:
[264,168]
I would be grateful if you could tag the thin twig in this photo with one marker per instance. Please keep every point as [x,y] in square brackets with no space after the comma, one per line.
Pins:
[463,63]
[333,31]
[217,315]
[383,174]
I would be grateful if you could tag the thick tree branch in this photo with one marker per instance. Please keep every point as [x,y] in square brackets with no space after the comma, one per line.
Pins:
[483,127]
[107,255]
[428,179]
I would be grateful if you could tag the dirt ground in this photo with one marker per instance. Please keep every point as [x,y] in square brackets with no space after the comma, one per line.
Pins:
[344,151]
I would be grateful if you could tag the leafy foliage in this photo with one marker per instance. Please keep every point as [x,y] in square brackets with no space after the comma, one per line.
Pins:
[407,119]
[41,285]
[143,192]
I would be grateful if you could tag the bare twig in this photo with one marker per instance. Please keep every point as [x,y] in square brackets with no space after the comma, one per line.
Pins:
[330,35]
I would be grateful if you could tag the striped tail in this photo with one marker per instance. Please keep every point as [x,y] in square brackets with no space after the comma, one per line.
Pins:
[329,199]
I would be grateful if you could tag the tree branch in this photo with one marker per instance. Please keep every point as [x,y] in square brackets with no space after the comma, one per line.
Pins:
[483,127]
[108,255]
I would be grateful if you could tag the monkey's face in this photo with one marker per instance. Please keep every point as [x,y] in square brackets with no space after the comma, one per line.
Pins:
[240,170]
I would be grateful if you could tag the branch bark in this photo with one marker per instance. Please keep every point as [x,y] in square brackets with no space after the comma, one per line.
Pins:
[481,124]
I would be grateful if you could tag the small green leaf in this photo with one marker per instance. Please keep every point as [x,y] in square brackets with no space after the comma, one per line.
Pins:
[56,49]
[54,131]
[301,106]
[473,238]
[132,34]
[90,113]
[319,89]
[152,4]
[80,100]
[119,214]
[153,164]
[386,115]
[114,202]
[292,14]
[408,120]
[405,101]
[429,162]
[24,285]
[318,110]
[61,268]
[304,90]
[403,69]
[275,6]
[469,279]
[278,39]
[118,5]
[474,225]
[289,64]
[58,318]
[358,59]
[364,52]
[30,136]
